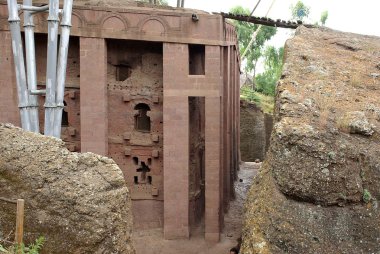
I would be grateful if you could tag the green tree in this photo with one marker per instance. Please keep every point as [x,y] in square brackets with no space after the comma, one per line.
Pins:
[324,16]
[273,61]
[244,33]
[300,11]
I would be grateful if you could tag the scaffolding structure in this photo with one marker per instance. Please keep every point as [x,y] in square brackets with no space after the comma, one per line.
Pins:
[26,80]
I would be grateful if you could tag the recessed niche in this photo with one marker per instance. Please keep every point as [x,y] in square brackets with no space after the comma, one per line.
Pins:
[65,116]
[142,120]
[196,59]
[123,72]
[135,160]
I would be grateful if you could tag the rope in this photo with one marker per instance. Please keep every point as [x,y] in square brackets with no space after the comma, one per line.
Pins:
[256,32]
[254,8]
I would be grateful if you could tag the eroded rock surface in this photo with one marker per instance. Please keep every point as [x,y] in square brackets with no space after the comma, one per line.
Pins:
[317,191]
[255,129]
[78,202]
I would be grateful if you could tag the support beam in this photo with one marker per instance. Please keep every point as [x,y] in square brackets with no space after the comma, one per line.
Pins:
[176,142]
[62,65]
[31,68]
[51,68]
[227,127]
[231,129]
[18,56]
[93,95]
[212,157]
[176,165]
[264,21]
[27,6]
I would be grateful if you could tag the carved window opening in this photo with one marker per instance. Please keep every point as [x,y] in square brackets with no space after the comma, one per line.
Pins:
[142,120]
[136,179]
[135,160]
[196,59]
[65,116]
[144,169]
[123,72]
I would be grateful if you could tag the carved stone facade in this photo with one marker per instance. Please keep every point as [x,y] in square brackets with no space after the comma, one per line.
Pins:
[159,93]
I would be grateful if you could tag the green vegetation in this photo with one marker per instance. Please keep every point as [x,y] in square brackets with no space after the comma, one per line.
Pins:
[248,94]
[299,11]
[324,16]
[366,196]
[264,84]
[33,248]
[265,89]
[266,81]
[245,31]
[265,102]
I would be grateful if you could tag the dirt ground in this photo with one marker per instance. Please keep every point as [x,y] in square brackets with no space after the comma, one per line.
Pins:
[151,241]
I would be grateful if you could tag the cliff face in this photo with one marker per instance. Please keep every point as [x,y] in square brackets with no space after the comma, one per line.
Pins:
[255,129]
[78,202]
[319,187]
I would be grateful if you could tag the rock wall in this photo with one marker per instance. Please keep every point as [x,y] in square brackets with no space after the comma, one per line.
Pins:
[319,187]
[78,202]
[255,130]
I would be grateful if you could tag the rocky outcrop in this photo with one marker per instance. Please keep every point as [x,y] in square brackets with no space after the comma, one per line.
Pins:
[255,130]
[319,187]
[78,202]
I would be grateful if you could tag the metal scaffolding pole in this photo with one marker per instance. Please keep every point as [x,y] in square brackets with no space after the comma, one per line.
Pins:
[51,69]
[18,55]
[33,9]
[62,64]
[31,67]
[55,77]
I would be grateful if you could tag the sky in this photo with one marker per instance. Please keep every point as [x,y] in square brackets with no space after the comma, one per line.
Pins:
[356,16]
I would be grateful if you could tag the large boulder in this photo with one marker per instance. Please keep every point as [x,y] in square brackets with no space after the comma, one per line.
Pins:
[78,202]
[319,187]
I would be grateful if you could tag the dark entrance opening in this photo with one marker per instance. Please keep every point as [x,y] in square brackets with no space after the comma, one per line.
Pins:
[196,164]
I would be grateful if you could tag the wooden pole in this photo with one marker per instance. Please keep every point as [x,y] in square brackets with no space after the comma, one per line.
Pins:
[19,223]
[8,200]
